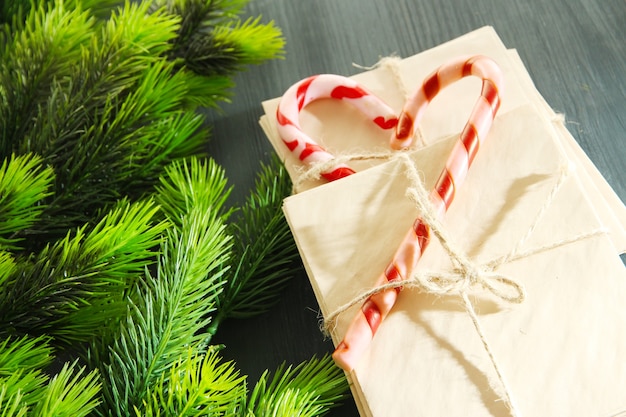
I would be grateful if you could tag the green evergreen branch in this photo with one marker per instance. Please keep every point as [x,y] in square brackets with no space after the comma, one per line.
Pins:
[213,41]
[14,11]
[24,183]
[21,378]
[7,267]
[168,311]
[208,91]
[193,184]
[69,394]
[10,399]
[25,353]
[31,58]
[26,390]
[197,385]
[72,130]
[104,101]
[250,41]
[73,288]
[264,253]
[307,390]
[199,16]
[107,104]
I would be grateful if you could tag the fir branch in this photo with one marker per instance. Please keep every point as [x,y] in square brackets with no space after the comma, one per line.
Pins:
[21,378]
[26,390]
[32,56]
[207,91]
[112,120]
[73,288]
[25,353]
[232,46]
[108,104]
[7,267]
[99,98]
[124,144]
[199,16]
[123,149]
[24,183]
[198,385]
[69,394]
[168,311]
[22,389]
[193,184]
[307,390]
[14,11]
[264,253]
[11,400]
[251,41]
[213,41]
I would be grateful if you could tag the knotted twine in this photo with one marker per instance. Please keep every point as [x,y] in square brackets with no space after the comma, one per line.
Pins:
[465,273]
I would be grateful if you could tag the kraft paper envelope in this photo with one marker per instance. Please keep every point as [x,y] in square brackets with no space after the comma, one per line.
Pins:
[342,130]
[610,208]
[561,351]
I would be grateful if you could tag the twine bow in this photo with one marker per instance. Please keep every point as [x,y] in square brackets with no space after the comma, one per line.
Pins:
[465,273]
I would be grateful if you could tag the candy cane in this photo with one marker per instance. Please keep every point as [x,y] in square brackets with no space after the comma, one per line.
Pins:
[377,307]
[326,86]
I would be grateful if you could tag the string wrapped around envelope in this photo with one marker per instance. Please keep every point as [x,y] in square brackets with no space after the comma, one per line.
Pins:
[466,274]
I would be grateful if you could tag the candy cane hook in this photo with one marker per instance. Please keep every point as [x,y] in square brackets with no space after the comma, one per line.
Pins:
[377,307]
[326,86]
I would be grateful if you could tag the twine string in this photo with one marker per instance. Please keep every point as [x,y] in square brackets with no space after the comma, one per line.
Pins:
[465,274]
[313,172]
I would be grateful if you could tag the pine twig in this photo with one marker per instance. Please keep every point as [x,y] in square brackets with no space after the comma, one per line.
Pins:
[168,310]
[307,390]
[25,389]
[75,287]
[265,256]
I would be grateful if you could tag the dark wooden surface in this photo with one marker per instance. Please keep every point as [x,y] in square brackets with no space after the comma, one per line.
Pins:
[575,51]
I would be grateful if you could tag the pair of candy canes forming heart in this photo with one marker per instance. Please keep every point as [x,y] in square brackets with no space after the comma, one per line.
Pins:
[378,306]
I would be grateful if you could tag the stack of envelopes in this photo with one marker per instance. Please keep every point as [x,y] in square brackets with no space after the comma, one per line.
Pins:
[531,190]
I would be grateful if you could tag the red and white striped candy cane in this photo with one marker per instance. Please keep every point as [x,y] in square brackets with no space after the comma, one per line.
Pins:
[326,86]
[377,307]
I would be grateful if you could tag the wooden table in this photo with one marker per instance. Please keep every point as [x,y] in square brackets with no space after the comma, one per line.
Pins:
[575,51]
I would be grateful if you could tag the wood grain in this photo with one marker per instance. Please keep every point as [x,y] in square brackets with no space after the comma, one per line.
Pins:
[575,51]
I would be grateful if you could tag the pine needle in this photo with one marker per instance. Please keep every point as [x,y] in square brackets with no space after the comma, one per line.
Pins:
[26,390]
[25,353]
[198,385]
[69,394]
[11,403]
[193,184]
[24,183]
[307,390]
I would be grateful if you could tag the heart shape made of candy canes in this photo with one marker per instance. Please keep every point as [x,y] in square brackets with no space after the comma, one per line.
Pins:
[377,307]
[318,87]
